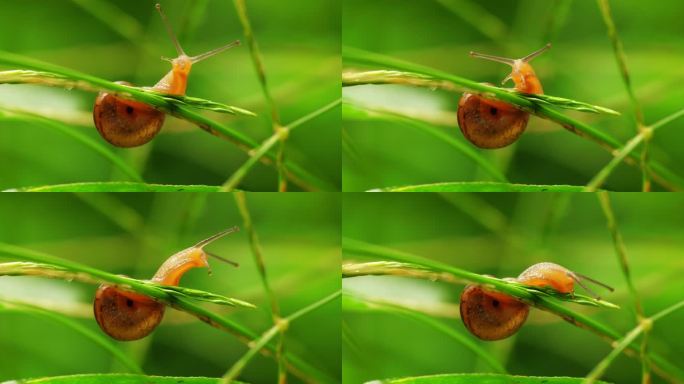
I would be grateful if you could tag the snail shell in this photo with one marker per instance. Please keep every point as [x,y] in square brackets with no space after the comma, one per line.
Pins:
[125,315]
[491,315]
[125,123]
[488,123]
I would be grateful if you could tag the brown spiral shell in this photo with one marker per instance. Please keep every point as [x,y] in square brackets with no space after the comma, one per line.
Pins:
[125,123]
[125,315]
[491,315]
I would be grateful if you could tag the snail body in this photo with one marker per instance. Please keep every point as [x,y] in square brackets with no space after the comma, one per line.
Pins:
[492,315]
[129,123]
[489,123]
[126,315]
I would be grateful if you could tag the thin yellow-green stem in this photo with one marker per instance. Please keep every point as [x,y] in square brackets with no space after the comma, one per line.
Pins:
[255,246]
[621,253]
[553,304]
[241,202]
[177,297]
[621,59]
[422,76]
[644,136]
[601,367]
[183,108]
[644,326]
[667,119]
[620,250]
[597,181]
[279,327]
[241,9]
[236,178]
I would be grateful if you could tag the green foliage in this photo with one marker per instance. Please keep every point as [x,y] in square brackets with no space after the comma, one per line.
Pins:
[483,379]
[91,238]
[419,72]
[119,379]
[482,186]
[123,41]
[406,258]
[117,186]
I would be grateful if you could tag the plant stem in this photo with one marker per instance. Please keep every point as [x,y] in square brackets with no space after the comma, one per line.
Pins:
[279,327]
[241,9]
[644,135]
[621,59]
[621,253]
[241,202]
[237,176]
[173,297]
[644,326]
[620,249]
[169,105]
[600,178]
[661,174]
[551,304]
[604,7]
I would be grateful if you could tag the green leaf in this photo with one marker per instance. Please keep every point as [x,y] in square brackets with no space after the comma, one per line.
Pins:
[196,294]
[209,105]
[97,338]
[116,186]
[97,146]
[117,379]
[67,81]
[483,378]
[569,104]
[481,186]
[662,174]
[352,111]
[56,75]
[351,302]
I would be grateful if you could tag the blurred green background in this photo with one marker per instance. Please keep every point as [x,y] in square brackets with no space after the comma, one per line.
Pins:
[300,45]
[501,235]
[133,234]
[581,66]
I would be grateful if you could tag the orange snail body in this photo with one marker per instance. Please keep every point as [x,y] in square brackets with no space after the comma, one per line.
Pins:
[128,123]
[492,315]
[126,315]
[490,123]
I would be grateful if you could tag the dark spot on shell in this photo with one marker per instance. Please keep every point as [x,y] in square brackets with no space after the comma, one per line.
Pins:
[493,111]
[129,109]
[495,303]
[129,302]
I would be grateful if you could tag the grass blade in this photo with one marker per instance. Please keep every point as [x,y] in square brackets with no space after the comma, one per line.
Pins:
[96,146]
[125,360]
[115,186]
[480,186]
[352,111]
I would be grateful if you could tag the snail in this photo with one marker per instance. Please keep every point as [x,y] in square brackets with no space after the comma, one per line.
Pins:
[129,123]
[492,315]
[126,315]
[490,123]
